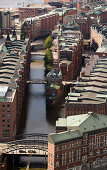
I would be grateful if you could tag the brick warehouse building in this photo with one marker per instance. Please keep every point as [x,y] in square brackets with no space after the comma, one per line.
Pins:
[27,12]
[34,10]
[64,1]
[82,146]
[84,23]
[69,48]
[85,19]
[40,25]
[98,35]
[89,92]
[14,72]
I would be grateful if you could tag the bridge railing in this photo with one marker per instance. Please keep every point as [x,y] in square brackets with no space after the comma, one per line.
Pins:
[24,145]
[36,135]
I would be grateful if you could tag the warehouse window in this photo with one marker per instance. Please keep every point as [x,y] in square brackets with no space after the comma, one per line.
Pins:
[8,120]
[57,163]
[6,133]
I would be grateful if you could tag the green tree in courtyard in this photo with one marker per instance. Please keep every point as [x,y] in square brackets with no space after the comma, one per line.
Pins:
[48,60]
[48,42]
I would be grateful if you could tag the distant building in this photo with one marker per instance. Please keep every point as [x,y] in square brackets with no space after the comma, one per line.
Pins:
[84,23]
[54,77]
[99,36]
[70,45]
[80,144]
[54,88]
[40,25]
[63,1]
[27,12]
[7,22]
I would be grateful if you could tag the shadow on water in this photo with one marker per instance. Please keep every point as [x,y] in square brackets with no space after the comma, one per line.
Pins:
[53,114]
[23,116]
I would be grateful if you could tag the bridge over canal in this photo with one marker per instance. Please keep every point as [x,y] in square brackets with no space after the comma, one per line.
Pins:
[37,81]
[34,144]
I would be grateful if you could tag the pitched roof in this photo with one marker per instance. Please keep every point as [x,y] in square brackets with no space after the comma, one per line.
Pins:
[77,125]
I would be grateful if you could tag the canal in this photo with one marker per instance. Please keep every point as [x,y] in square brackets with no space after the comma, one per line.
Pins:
[35,118]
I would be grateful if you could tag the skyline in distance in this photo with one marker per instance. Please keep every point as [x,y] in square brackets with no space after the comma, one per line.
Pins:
[17,3]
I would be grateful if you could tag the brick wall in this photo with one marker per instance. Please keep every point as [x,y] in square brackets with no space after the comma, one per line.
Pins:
[89,150]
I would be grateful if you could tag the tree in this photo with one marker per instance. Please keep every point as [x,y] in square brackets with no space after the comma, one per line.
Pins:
[48,60]
[48,42]
[48,57]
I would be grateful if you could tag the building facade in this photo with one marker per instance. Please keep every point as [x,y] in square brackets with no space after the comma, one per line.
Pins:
[27,12]
[6,21]
[69,48]
[14,73]
[98,35]
[89,92]
[54,88]
[82,144]
[40,25]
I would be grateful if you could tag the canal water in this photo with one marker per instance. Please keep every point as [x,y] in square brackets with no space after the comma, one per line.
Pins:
[35,118]
[34,111]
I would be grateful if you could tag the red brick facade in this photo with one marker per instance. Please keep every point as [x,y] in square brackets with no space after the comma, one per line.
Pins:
[11,107]
[78,146]
[41,25]
[76,109]
[27,12]
[89,151]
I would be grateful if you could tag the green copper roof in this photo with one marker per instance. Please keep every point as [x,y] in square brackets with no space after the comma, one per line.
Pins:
[77,125]
[64,136]
[4,49]
[54,86]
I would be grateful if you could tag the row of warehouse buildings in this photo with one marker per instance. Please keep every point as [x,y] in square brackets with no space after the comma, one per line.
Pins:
[14,72]
[80,141]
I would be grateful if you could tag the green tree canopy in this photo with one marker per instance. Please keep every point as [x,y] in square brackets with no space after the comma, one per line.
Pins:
[48,60]
[48,42]
[48,57]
